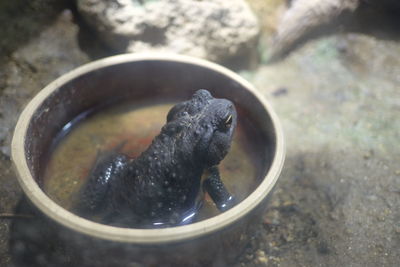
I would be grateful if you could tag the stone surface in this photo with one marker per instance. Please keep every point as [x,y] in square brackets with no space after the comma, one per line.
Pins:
[335,202]
[217,30]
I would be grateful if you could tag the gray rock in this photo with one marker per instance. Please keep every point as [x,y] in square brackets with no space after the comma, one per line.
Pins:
[304,16]
[31,67]
[309,16]
[217,30]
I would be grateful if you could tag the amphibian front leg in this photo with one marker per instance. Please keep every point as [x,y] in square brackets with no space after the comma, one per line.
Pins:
[217,191]
[94,196]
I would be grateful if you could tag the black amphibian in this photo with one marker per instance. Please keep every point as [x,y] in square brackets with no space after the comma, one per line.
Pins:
[162,187]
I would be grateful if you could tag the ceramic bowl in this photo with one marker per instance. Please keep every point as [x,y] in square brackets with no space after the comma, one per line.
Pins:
[141,77]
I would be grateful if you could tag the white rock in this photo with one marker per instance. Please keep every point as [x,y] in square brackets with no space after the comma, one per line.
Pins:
[214,29]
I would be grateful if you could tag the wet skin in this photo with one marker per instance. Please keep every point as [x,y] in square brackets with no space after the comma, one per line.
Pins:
[162,187]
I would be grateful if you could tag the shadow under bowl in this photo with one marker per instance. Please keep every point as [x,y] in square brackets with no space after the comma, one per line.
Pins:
[141,77]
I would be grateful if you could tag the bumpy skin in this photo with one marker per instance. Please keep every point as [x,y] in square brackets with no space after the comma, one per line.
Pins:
[162,187]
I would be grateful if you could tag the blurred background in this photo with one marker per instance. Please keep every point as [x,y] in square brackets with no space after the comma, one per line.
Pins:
[331,69]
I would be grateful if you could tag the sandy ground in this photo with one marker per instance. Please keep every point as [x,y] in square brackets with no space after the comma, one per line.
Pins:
[336,202]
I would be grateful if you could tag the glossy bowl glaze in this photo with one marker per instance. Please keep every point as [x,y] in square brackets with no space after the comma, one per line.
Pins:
[142,77]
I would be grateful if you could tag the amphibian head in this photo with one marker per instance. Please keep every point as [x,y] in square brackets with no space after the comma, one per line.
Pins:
[205,126]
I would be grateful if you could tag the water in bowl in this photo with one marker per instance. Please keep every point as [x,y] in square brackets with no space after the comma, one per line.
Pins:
[74,153]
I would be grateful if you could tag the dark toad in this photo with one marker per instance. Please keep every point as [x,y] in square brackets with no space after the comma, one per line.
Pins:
[162,187]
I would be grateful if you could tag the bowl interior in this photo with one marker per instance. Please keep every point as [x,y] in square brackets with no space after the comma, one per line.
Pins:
[143,81]
[122,78]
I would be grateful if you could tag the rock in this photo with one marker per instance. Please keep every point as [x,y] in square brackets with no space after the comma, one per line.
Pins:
[307,17]
[304,16]
[29,68]
[217,30]
[261,258]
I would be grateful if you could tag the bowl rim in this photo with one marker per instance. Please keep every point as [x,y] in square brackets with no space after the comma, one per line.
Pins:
[140,236]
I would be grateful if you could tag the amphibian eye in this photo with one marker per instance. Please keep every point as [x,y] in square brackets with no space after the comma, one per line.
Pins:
[226,123]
